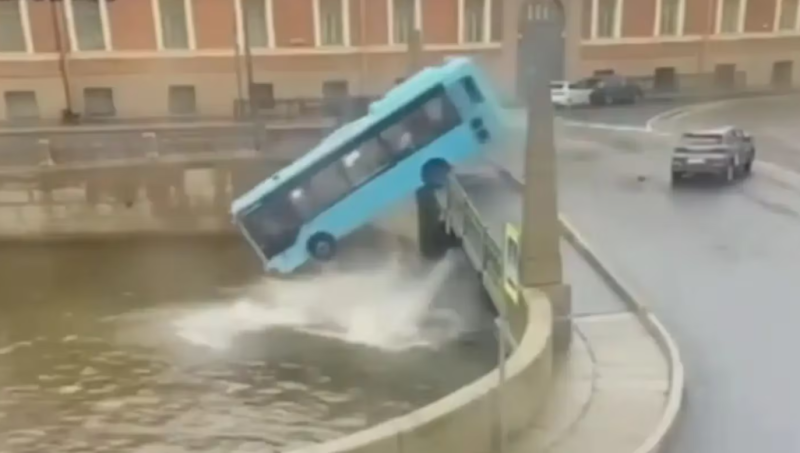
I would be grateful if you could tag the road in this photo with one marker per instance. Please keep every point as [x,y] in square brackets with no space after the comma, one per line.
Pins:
[718,265]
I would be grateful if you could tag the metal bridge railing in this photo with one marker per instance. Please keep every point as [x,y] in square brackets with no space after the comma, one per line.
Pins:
[485,254]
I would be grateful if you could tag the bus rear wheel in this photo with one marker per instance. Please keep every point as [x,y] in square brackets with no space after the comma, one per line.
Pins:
[322,247]
[434,173]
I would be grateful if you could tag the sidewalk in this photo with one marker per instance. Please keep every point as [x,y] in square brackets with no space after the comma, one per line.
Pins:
[613,392]
[610,391]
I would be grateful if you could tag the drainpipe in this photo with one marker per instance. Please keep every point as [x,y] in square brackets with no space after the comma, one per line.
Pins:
[56,14]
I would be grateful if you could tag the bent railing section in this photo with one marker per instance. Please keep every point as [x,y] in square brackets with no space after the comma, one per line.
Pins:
[462,218]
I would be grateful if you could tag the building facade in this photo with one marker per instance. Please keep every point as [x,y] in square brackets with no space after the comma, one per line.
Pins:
[128,59]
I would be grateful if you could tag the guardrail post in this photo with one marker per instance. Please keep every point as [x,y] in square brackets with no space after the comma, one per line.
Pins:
[150,144]
[45,151]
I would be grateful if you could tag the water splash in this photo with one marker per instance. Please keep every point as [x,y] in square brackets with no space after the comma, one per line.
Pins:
[387,308]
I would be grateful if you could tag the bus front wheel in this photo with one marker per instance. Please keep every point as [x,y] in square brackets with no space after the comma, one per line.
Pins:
[322,247]
[434,173]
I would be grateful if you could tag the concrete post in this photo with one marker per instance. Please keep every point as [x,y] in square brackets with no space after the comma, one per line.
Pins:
[540,263]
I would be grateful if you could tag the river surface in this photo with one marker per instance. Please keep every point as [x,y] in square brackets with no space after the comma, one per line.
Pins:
[170,346]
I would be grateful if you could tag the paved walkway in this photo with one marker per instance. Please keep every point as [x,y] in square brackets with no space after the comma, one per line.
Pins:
[611,391]
[609,394]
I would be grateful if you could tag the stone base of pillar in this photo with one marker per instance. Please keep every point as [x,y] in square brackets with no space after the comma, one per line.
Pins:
[561,298]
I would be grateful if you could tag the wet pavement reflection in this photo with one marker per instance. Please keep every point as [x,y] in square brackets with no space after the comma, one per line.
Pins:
[92,358]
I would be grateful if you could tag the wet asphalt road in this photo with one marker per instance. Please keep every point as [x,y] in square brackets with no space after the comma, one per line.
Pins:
[719,266]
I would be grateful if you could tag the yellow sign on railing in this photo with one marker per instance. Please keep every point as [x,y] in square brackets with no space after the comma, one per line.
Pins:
[511,254]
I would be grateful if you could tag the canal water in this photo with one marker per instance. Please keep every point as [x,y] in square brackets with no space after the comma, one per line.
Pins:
[180,345]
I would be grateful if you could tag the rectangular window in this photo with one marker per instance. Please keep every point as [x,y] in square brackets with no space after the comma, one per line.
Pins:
[12,36]
[496,16]
[365,161]
[671,22]
[789,15]
[474,20]
[404,20]
[99,102]
[87,20]
[273,224]
[255,16]
[174,24]
[474,94]
[331,22]
[263,95]
[425,121]
[607,24]
[21,105]
[730,16]
[324,188]
[182,100]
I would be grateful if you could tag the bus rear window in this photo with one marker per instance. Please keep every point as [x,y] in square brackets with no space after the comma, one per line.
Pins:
[472,90]
[702,139]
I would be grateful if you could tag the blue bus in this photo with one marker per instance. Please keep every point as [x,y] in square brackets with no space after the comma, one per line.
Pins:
[409,139]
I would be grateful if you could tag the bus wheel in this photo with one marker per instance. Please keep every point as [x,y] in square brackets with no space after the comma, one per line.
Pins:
[434,173]
[322,247]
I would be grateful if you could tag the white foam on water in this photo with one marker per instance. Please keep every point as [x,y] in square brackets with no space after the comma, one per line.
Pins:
[383,308]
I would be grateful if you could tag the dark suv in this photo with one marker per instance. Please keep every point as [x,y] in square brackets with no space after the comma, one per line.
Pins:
[725,153]
[612,89]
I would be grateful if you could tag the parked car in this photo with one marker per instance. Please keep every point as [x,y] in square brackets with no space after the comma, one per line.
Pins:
[569,94]
[725,153]
[612,89]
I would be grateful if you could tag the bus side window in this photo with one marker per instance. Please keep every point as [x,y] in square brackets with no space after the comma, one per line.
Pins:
[365,161]
[431,120]
[323,188]
[398,138]
[472,90]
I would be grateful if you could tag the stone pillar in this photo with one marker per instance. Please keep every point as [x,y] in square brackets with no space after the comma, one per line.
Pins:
[540,263]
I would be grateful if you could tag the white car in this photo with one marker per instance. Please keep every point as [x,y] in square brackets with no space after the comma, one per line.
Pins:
[569,94]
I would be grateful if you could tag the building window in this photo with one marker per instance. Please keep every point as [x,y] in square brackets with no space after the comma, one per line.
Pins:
[474,17]
[88,20]
[21,105]
[331,22]
[263,96]
[607,19]
[257,16]
[788,15]
[12,34]
[730,16]
[496,20]
[98,102]
[182,100]
[671,17]
[406,18]
[174,24]
[782,74]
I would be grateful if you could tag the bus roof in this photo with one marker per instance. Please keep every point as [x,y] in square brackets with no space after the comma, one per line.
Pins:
[380,109]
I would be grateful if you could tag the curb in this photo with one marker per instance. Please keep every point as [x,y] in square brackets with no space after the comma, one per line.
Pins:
[666,343]
[700,106]
[669,348]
